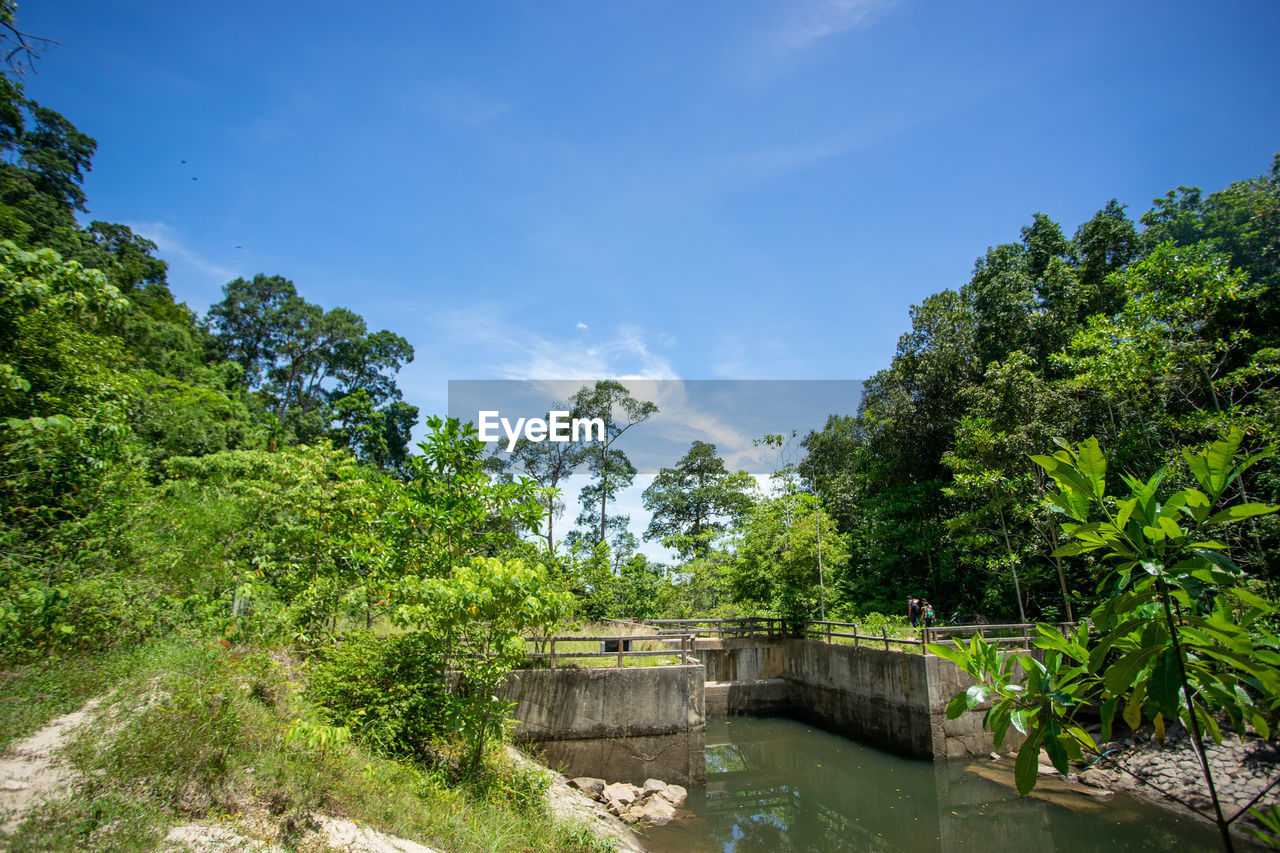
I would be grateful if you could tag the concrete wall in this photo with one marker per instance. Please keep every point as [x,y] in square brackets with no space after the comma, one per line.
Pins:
[622,724]
[890,699]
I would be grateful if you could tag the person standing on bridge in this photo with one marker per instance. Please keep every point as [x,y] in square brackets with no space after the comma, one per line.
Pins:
[928,613]
[913,611]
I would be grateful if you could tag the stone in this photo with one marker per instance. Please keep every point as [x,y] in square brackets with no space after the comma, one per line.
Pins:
[619,795]
[674,794]
[655,811]
[653,786]
[589,785]
[1094,779]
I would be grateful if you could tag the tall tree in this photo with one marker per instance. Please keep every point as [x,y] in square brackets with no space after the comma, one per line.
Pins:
[692,502]
[611,402]
[547,463]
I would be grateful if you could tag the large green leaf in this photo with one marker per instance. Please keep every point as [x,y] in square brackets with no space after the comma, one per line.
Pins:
[1165,686]
[1026,767]
[1050,639]
[957,706]
[957,656]
[1057,753]
[1239,512]
[1093,465]
[999,723]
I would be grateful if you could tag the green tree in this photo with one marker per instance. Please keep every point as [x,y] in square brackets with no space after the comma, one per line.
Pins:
[482,610]
[613,404]
[547,463]
[776,565]
[695,501]
[452,509]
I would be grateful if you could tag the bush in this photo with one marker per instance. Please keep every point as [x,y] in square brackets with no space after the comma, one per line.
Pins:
[391,692]
[100,613]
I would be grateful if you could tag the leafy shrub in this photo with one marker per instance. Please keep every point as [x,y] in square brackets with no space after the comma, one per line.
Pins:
[94,614]
[391,693]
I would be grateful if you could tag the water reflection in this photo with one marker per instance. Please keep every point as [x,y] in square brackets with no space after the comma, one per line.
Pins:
[778,785]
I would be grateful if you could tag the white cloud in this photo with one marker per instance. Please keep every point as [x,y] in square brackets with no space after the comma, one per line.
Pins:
[814,21]
[169,243]
[581,326]
[624,355]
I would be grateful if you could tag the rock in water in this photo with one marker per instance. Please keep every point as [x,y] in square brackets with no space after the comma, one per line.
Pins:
[674,794]
[654,786]
[619,795]
[655,811]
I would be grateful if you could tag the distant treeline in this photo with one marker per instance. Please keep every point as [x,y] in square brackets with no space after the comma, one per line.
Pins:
[1151,336]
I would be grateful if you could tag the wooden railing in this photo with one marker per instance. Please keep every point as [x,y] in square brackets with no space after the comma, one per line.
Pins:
[749,626]
[1021,633]
[685,631]
[624,650]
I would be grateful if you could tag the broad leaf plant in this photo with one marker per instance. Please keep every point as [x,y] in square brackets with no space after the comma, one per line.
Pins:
[1177,636]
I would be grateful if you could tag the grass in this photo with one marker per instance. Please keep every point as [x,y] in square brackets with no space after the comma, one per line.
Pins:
[190,731]
[33,694]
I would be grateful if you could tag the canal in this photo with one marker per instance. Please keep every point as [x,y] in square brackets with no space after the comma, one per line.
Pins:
[778,785]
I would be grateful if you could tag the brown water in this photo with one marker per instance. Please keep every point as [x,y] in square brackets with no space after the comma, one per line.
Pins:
[776,785]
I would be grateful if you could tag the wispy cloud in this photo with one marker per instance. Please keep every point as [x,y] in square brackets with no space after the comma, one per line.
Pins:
[626,354]
[812,22]
[169,243]
[518,353]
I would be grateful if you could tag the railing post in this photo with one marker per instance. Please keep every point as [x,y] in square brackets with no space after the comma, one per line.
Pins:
[619,651]
[684,654]
[1026,638]
[924,638]
[828,633]
[553,653]
[884,632]
[855,635]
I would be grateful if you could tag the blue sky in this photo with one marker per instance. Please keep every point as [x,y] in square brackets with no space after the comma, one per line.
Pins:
[662,189]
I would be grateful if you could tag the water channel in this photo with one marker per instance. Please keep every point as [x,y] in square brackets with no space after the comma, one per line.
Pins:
[777,785]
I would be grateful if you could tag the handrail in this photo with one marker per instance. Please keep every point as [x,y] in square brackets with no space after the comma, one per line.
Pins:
[688,630]
[624,650]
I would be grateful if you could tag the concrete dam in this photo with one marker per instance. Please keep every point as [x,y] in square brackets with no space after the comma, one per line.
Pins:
[633,723]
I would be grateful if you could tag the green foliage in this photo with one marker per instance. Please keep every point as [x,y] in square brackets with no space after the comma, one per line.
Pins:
[454,508]
[481,612]
[776,563]
[1269,834]
[390,692]
[321,373]
[1150,340]
[1178,634]
[694,502]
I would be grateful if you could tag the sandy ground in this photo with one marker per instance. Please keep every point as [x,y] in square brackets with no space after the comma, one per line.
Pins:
[32,770]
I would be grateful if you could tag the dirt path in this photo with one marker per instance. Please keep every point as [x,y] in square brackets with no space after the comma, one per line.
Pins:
[32,770]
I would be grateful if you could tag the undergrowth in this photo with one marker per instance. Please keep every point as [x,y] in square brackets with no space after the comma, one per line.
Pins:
[195,732]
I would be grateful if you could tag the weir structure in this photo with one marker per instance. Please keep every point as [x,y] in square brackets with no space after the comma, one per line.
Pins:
[630,723]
